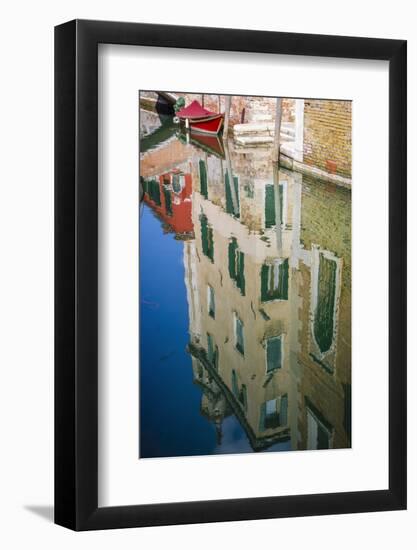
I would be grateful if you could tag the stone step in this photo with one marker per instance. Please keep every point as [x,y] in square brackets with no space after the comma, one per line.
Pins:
[267,128]
[254,140]
[261,118]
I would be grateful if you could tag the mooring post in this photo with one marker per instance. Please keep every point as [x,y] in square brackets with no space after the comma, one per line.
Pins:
[227,114]
[277,135]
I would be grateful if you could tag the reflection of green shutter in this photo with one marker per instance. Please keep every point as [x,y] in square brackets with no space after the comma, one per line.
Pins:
[228,192]
[326,293]
[168,202]
[264,283]
[281,291]
[154,192]
[216,358]
[262,417]
[273,354]
[176,183]
[232,258]
[235,388]
[240,275]
[144,184]
[270,218]
[244,397]
[283,413]
[237,265]
[203,178]
[269,206]
[322,438]
[283,280]
[207,238]
[210,350]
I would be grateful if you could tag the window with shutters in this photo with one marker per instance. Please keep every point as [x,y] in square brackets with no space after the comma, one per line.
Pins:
[274,353]
[274,280]
[237,265]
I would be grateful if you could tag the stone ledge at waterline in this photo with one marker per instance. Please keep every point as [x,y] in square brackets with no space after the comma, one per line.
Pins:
[287,161]
[261,134]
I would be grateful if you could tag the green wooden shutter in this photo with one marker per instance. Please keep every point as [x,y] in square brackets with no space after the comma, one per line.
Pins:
[154,192]
[176,183]
[264,282]
[207,241]
[283,413]
[228,193]
[210,348]
[326,294]
[269,206]
[283,280]
[232,258]
[273,354]
[322,437]
[168,202]
[262,417]
[244,397]
[240,275]
[203,178]
[235,388]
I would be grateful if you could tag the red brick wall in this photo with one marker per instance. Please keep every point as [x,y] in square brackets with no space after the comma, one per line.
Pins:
[328,135]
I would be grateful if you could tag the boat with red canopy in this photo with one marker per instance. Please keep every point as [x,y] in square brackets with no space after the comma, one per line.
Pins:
[200,119]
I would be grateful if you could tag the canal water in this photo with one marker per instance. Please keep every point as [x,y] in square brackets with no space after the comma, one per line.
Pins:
[245,301]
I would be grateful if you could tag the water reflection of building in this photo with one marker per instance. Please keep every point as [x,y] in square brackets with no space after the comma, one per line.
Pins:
[271,288]
[268,288]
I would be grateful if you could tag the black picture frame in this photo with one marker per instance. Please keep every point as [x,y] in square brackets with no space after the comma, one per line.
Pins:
[76,272]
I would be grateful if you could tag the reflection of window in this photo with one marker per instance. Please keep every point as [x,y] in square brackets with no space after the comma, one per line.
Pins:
[168,202]
[178,182]
[232,195]
[239,340]
[270,213]
[274,413]
[212,351]
[207,237]
[325,305]
[318,435]
[153,192]
[274,280]
[211,307]
[273,353]
[242,394]
[237,265]
[203,178]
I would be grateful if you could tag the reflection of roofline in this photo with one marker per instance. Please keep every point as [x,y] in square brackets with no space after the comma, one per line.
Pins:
[257,443]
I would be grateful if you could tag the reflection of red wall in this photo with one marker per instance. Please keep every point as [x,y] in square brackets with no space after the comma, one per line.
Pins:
[180,220]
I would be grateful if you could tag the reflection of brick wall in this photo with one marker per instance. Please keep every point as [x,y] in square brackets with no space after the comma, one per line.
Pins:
[328,135]
[244,107]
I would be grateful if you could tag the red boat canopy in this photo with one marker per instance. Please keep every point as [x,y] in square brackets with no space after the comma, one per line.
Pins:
[194,110]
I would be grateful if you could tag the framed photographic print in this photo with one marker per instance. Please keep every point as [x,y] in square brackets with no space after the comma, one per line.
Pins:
[230,275]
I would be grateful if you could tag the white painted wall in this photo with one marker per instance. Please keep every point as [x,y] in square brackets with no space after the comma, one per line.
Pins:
[26,292]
